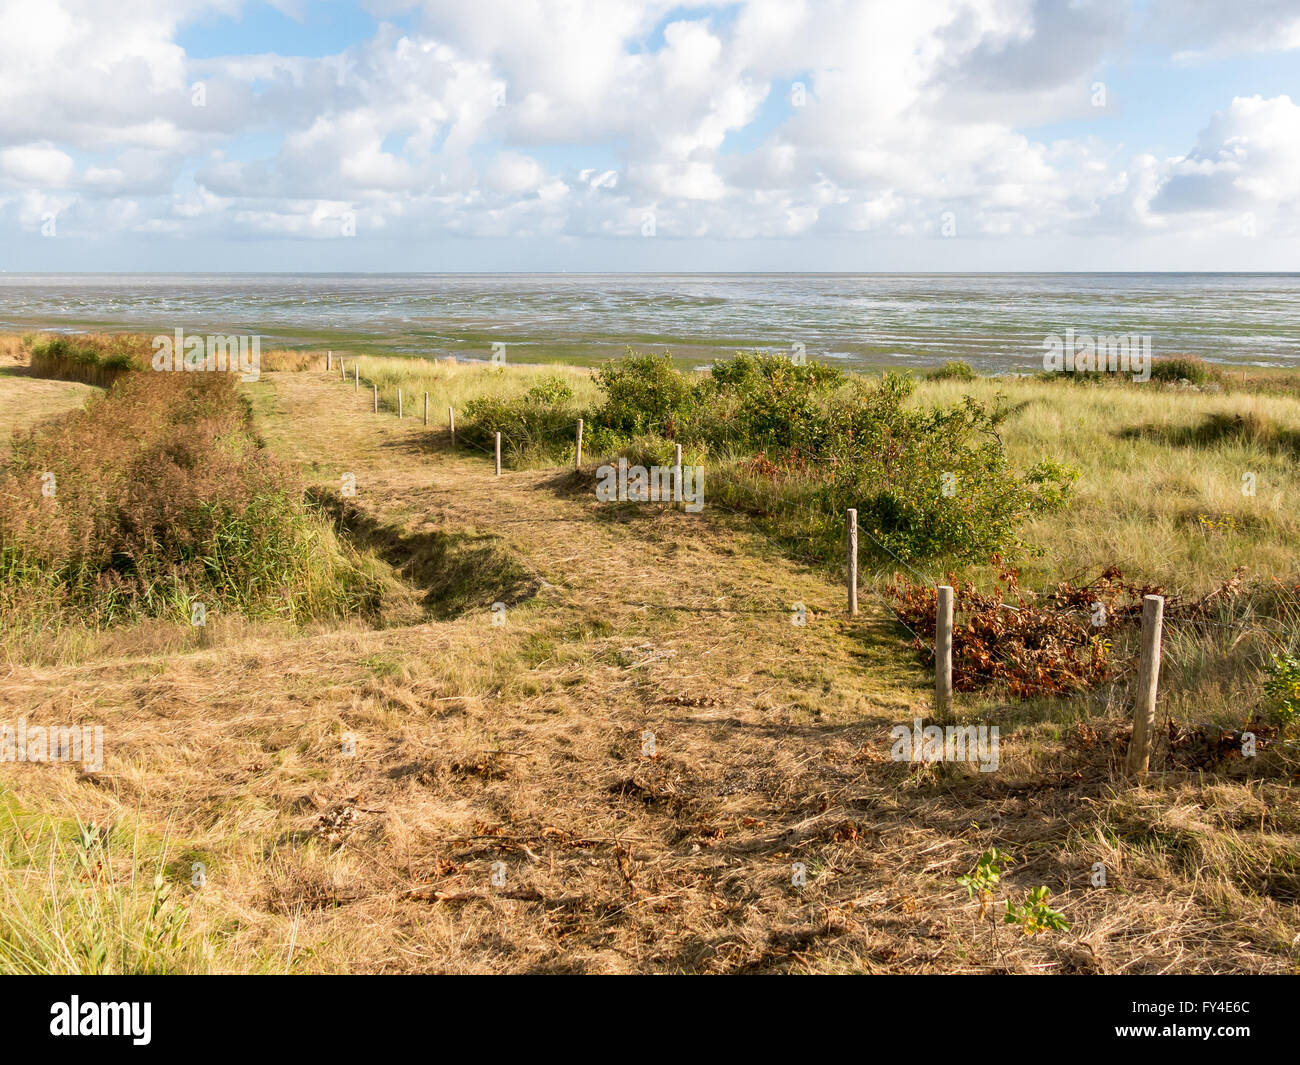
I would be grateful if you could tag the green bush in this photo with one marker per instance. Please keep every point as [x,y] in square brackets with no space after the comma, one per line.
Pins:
[539,422]
[551,389]
[953,369]
[765,402]
[927,482]
[645,394]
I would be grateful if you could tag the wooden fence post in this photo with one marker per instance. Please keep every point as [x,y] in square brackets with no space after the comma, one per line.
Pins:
[329,365]
[426,408]
[356,376]
[343,371]
[498,454]
[376,388]
[853,562]
[678,495]
[399,402]
[577,457]
[943,651]
[1144,708]
[451,422]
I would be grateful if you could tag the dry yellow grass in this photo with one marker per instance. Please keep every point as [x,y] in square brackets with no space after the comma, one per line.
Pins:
[28,399]
[350,790]
[12,350]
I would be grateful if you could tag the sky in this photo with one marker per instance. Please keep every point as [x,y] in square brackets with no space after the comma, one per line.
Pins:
[634,135]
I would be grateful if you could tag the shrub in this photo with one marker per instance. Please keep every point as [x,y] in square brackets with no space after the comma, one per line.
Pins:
[645,394]
[541,421]
[765,402]
[926,481]
[953,369]
[551,390]
[930,482]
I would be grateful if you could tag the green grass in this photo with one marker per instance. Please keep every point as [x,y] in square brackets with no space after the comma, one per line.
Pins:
[79,898]
[1159,492]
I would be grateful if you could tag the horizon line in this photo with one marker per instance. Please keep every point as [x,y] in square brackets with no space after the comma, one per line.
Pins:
[636,273]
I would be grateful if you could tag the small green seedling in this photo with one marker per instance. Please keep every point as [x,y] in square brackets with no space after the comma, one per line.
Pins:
[1035,916]
[981,880]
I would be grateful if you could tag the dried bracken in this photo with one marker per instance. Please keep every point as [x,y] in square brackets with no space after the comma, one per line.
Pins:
[1059,643]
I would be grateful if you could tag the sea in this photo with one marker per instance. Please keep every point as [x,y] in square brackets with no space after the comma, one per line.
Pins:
[998,322]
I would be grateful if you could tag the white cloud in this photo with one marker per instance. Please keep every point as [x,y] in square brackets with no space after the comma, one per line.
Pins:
[511,173]
[527,118]
[1248,156]
[40,165]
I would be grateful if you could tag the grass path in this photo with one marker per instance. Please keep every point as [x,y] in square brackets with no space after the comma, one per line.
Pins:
[354,791]
[28,400]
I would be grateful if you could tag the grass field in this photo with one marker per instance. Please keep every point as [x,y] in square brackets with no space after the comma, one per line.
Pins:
[1160,493]
[451,787]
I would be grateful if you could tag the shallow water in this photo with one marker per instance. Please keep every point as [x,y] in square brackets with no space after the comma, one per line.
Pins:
[996,321]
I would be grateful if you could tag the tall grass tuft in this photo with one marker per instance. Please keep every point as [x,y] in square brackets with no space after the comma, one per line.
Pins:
[86,900]
[92,359]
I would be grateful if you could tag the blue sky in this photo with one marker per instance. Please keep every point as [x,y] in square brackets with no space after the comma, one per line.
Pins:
[316,29]
[634,135]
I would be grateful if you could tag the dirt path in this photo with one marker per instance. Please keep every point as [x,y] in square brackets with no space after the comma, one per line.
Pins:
[627,775]
[669,624]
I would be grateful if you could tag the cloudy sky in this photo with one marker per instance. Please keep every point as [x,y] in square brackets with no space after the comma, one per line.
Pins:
[637,135]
